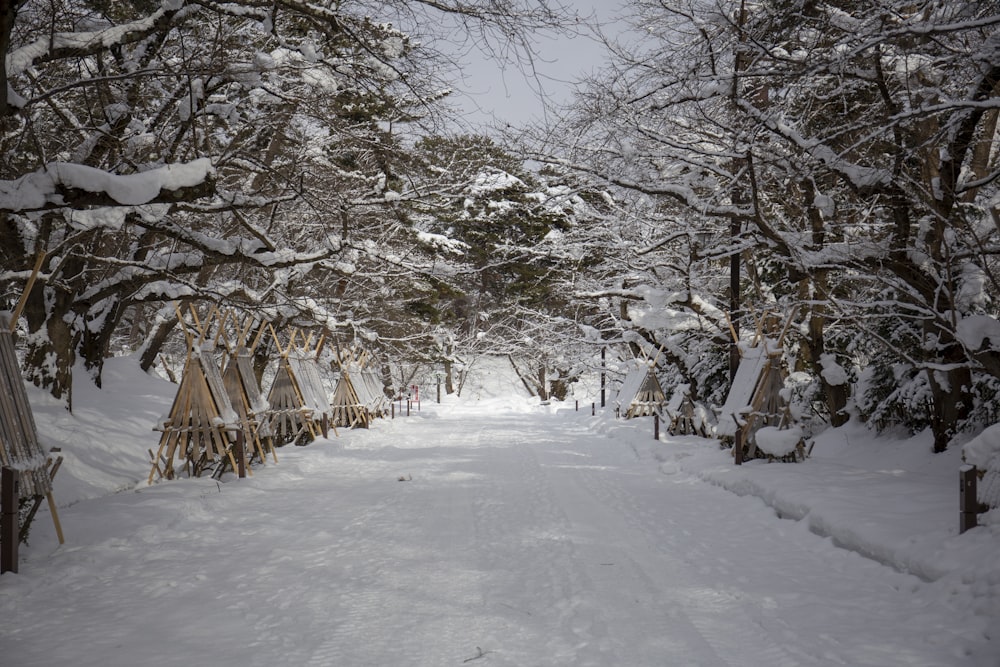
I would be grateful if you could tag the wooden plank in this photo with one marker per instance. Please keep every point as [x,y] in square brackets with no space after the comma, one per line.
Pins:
[21,438]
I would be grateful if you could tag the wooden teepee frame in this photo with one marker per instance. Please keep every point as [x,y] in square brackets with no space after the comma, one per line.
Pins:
[298,398]
[682,412]
[756,398]
[241,385]
[358,396]
[641,394]
[19,445]
[202,425]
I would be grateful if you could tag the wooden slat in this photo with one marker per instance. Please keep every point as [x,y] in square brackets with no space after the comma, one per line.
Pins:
[18,433]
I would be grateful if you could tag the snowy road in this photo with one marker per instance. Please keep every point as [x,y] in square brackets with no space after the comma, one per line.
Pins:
[516,538]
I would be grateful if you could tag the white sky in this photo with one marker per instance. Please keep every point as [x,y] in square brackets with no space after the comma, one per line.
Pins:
[493,94]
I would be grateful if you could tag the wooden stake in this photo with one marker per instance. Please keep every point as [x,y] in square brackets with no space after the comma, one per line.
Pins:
[27,289]
[55,516]
[968,499]
[9,540]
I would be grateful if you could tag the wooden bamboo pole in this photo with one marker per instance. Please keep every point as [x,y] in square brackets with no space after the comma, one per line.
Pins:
[55,516]
[27,289]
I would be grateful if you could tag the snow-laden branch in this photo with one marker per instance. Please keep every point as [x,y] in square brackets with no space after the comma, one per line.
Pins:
[79,44]
[681,193]
[68,185]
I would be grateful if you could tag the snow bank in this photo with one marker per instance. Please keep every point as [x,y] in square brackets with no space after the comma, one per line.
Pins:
[778,442]
[983,451]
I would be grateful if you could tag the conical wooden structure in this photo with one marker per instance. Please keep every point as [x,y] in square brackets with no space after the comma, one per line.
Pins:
[686,417]
[641,394]
[756,398]
[298,399]
[241,385]
[19,445]
[358,397]
[201,428]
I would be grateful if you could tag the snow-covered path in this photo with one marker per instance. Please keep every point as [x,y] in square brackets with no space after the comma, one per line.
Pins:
[514,538]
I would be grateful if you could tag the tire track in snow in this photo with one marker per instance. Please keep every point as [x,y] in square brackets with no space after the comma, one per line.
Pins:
[591,596]
[633,564]
[789,599]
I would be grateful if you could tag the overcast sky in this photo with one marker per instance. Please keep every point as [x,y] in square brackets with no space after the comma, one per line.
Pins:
[493,94]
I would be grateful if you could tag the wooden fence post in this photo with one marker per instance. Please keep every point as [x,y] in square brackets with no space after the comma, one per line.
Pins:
[656,426]
[9,483]
[241,455]
[967,499]
[593,409]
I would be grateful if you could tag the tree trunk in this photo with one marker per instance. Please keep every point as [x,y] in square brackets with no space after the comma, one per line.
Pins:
[51,342]
[449,378]
[835,396]
[95,345]
[8,14]
[952,403]
[151,348]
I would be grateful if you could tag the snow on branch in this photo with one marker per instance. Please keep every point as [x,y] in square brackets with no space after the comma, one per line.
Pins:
[67,185]
[78,44]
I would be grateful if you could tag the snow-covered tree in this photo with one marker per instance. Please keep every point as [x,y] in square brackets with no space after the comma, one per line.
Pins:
[236,151]
[845,154]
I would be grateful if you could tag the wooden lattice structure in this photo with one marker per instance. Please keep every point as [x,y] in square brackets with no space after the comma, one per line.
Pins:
[242,387]
[19,445]
[980,477]
[359,395]
[756,397]
[641,394]
[686,417]
[298,400]
[202,427]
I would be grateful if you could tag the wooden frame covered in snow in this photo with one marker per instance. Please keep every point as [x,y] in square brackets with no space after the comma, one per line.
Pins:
[20,449]
[756,416]
[241,385]
[358,396]
[641,394]
[201,427]
[298,399]
[686,417]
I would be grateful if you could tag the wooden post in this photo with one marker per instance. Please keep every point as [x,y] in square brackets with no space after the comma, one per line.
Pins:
[408,402]
[656,426]
[393,404]
[603,374]
[24,295]
[967,499]
[578,406]
[55,517]
[738,446]
[439,390]
[325,426]
[9,483]
[735,315]
[241,455]
[593,409]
